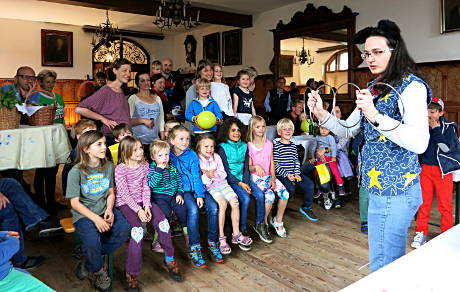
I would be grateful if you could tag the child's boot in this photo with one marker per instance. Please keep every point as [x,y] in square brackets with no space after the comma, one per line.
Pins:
[197,257]
[173,270]
[216,255]
[131,281]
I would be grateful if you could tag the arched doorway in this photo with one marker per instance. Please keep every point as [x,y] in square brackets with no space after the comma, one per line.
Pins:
[122,48]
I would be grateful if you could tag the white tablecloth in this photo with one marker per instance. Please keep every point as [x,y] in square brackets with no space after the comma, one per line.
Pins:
[308,142]
[431,268]
[33,147]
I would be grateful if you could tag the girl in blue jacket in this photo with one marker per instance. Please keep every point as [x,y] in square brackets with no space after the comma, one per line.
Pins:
[187,163]
[203,103]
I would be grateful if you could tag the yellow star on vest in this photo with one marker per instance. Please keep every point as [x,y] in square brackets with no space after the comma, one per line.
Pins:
[409,178]
[374,174]
[385,98]
[382,138]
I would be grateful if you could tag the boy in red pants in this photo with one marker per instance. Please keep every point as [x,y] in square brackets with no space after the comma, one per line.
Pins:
[435,174]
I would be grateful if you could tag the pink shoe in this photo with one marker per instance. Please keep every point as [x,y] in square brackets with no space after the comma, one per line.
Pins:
[156,247]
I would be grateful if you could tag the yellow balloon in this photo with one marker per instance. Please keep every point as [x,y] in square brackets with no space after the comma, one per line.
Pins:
[304,126]
[206,120]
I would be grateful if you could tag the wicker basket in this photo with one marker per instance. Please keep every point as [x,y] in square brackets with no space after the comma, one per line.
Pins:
[44,116]
[9,118]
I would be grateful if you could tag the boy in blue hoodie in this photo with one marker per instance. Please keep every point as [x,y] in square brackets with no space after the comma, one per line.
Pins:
[203,103]
[195,196]
[436,171]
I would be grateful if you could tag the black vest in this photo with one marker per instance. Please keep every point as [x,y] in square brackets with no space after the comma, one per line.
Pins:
[278,104]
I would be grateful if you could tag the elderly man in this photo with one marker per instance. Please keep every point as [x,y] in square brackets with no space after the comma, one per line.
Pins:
[176,93]
[24,83]
[17,209]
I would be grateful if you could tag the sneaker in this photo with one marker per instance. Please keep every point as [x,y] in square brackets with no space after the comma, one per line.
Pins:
[216,255]
[280,231]
[31,262]
[131,281]
[317,194]
[364,228]
[156,247]
[80,271]
[197,257]
[337,204]
[173,270]
[341,190]
[327,201]
[102,281]
[262,230]
[419,240]
[308,212]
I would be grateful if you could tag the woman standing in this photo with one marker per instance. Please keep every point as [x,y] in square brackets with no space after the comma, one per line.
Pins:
[146,111]
[389,167]
[45,178]
[109,104]
[220,92]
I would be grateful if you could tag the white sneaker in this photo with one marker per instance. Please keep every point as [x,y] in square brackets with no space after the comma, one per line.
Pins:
[327,201]
[281,232]
[419,240]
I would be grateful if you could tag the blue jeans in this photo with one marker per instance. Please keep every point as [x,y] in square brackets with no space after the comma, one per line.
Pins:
[389,218]
[95,244]
[193,218]
[244,199]
[306,184]
[20,209]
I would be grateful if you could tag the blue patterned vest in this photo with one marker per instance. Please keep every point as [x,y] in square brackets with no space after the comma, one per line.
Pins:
[387,168]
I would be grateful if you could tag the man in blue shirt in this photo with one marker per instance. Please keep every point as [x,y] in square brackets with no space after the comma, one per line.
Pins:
[24,83]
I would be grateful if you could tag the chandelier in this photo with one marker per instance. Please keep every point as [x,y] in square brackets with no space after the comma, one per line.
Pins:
[305,56]
[105,32]
[177,13]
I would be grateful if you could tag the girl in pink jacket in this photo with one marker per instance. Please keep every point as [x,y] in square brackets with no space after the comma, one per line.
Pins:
[215,182]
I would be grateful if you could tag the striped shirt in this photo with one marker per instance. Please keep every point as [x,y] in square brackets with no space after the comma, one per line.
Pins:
[286,159]
[165,181]
[132,188]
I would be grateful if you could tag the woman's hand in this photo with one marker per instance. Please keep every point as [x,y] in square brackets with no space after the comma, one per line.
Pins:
[109,123]
[315,104]
[365,103]
[148,122]
[259,170]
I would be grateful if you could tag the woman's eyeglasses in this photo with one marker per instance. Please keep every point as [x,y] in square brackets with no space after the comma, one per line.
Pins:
[375,53]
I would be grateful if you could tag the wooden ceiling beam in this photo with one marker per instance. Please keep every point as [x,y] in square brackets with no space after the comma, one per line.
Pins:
[210,16]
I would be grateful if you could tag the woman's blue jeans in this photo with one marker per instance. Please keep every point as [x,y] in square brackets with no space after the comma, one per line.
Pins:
[193,218]
[389,218]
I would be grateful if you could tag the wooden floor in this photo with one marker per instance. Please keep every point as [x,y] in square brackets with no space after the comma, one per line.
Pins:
[323,256]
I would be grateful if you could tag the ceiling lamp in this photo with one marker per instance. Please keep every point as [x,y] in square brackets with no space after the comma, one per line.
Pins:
[177,13]
[305,56]
[105,32]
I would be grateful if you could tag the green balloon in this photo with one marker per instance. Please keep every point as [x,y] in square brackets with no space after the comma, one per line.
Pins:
[305,126]
[206,120]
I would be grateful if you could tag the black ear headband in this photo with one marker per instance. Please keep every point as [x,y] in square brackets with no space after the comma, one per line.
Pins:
[385,28]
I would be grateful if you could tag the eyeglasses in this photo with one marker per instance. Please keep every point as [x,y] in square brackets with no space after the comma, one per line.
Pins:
[375,53]
[27,77]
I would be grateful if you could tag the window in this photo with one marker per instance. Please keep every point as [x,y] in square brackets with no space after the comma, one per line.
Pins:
[338,62]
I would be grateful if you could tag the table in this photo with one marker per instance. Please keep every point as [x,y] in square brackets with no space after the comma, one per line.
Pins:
[33,147]
[432,267]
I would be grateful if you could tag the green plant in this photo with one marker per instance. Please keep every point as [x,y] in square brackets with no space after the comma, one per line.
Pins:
[8,99]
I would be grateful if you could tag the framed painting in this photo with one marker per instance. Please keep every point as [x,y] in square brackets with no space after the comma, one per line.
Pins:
[57,48]
[232,47]
[286,66]
[211,47]
[450,15]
